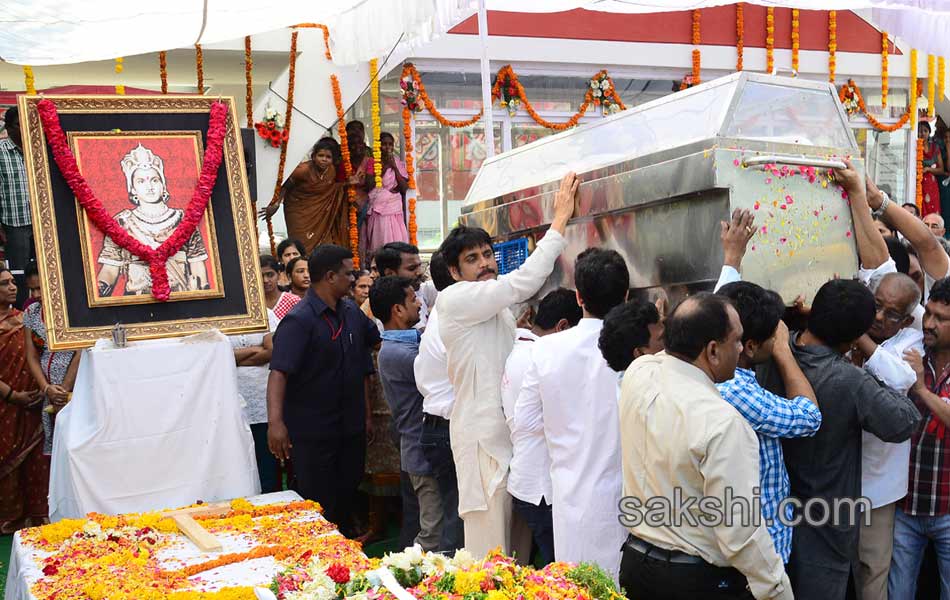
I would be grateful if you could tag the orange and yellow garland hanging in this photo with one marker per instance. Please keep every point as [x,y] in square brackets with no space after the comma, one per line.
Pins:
[200,68]
[347,170]
[29,80]
[407,72]
[884,77]
[914,91]
[832,44]
[931,85]
[920,174]
[292,76]
[770,40]
[697,39]
[740,34]
[795,40]
[852,87]
[248,82]
[119,67]
[941,81]
[163,70]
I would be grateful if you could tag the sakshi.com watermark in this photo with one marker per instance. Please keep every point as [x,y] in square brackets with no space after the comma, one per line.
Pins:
[731,510]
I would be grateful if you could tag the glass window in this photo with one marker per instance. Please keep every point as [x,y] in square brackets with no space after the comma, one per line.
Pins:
[885,156]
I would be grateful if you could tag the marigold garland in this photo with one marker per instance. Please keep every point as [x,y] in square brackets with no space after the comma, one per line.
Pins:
[931,85]
[374,115]
[407,70]
[29,80]
[832,44]
[770,40]
[853,87]
[740,34]
[941,81]
[119,67]
[163,70]
[697,40]
[291,78]
[326,36]
[347,169]
[884,77]
[200,68]
[278,552]
[920,175]
[430,106]
[914,90]
[248,82]
[795,40]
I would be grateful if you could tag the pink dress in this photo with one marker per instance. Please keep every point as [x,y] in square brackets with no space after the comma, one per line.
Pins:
[385,221]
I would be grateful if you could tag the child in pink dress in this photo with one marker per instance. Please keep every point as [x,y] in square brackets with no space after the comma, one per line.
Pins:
[386,222]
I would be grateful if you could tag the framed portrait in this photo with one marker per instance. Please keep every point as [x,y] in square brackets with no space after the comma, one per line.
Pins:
[142,158]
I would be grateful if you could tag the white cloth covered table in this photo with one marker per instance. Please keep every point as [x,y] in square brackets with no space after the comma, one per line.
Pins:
[152,425]
[24,570]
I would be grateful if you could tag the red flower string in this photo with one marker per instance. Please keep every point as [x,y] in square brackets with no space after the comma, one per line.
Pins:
[156,257]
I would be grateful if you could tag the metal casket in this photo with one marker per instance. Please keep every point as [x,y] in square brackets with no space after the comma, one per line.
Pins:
[658,179]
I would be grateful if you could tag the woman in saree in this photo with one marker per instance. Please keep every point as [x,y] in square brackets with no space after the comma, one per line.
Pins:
[386,222]
[314,201]
[933,168]
[24,471]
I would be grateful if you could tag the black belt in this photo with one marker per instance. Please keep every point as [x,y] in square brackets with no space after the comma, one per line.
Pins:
[434,420]
[672,556]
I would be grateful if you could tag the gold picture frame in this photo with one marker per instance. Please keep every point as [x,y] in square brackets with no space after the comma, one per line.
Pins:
[75,316]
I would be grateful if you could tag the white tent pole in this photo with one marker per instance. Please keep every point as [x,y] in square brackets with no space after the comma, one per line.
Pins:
[486,80]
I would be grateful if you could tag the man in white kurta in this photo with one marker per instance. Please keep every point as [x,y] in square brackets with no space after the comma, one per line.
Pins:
[570,393]
[478,330]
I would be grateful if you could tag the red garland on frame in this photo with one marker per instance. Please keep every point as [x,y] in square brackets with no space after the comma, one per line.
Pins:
[156,257]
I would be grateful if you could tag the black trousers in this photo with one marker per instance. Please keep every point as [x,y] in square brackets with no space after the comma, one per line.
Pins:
[654,578]
[329,471]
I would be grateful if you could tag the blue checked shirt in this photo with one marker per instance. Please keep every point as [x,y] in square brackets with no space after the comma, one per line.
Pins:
[14,194]
[773,418]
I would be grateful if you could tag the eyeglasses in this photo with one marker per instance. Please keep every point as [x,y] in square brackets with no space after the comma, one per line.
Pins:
[890,316]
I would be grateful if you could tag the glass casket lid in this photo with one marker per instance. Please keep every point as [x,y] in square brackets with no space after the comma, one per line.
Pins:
[744,107]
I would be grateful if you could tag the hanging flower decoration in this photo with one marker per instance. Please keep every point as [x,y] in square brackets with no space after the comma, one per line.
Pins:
[291,81]
[602,93]
[374,115]
[740,34]
[29,80]
[410,106]
[418,91]
[119,67]
[914,84]
[163,70]
[505,90]
[696,39]
[200,68]
[920,174]
[156,257]
[271,127]
[832,44]
[853,101]
[248,82]
[884,77]
[941,81]
[770,40]
[795,40]
[931,85]
[347,169]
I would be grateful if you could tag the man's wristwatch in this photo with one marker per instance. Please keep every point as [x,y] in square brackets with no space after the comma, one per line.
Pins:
[883,207]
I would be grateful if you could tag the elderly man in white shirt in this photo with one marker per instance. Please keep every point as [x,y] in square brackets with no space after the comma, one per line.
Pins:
[678,434]
[529,481]
[478,331]
[569,394]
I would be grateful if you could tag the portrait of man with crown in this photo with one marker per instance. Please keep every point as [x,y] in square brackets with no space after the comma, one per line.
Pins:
[138,191]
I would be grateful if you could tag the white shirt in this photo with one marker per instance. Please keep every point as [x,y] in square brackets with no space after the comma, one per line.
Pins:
[478,331]
[428,291]
[530,476]
[570,394]
[884,466]
[677,432]
[423,311]
[252,381]
[432,374]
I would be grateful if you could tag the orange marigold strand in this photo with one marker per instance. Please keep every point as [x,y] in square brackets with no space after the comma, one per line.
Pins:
[292,75]
[832,44]
[200,68]
[864,110]
[740,34]
[770,40]
[163,70]
[884,76]
[248,82]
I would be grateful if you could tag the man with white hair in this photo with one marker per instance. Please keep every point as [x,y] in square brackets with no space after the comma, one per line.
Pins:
[936,224]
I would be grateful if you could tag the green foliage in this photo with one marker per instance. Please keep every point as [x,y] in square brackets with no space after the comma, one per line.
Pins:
[592,577]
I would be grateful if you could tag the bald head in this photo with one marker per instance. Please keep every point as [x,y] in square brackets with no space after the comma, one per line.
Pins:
[895,298]
[936,224]
[704,329]
[903,288]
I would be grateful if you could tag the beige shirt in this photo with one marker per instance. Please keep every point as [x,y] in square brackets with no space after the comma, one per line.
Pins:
[677,432]
[478,331]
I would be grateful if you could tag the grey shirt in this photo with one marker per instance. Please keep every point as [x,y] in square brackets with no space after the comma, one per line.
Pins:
[828,465]
[396,360]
